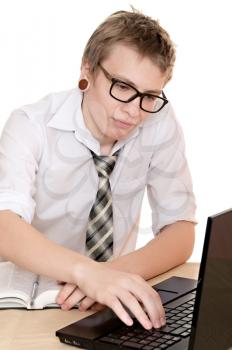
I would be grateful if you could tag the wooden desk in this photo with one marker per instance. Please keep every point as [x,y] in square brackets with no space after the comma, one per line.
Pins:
[35,330]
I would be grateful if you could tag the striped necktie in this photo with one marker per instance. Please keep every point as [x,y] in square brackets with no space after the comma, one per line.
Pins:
[99,236]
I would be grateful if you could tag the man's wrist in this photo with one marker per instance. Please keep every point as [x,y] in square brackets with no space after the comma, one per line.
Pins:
[81,270]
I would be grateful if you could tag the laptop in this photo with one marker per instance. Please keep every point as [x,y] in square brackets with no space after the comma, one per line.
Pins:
[198,313]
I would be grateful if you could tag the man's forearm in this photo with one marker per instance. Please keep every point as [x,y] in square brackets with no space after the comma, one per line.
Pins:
[172,247]
[22,244]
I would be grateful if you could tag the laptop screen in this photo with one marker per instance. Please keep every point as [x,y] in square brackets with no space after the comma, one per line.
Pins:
[212,326]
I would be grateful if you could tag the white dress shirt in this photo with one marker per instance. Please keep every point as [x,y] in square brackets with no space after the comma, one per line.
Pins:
[48,177]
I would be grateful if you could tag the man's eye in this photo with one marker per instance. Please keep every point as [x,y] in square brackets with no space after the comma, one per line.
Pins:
[150,98]
[122,86]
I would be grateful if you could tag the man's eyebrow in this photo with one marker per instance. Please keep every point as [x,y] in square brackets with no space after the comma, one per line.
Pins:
[128,81]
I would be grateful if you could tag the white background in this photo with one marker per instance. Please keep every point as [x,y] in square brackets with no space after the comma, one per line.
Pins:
[41,43]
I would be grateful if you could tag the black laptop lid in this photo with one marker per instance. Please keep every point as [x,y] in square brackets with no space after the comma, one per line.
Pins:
[212,323]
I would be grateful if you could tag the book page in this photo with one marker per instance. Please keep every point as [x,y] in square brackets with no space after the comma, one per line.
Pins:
[15,285]
[46,293]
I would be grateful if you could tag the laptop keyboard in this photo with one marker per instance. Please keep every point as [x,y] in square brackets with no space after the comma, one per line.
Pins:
[178,326]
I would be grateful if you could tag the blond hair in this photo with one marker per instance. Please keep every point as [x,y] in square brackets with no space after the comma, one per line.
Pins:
[136,30]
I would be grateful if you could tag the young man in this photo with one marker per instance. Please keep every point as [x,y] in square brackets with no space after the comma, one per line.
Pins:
[74,167]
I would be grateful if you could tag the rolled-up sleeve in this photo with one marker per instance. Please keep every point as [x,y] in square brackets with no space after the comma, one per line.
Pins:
[20,151]
[169,185]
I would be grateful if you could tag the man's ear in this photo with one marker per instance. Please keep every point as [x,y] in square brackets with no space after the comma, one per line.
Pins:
[85,80]
[85,71]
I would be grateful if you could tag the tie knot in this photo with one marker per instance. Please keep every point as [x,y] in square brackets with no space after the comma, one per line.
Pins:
[105,164]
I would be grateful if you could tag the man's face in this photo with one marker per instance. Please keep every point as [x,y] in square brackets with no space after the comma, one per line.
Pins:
[110,120]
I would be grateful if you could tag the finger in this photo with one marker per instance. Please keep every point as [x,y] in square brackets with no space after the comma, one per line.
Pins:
[86,304]
[114,303]
[154,308]
[64,292]
[73,299]
[98,307]
[151,302]
[131,302]
[160,310]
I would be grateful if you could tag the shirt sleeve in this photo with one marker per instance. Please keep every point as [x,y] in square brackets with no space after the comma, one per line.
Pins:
[20,150]
[169,185]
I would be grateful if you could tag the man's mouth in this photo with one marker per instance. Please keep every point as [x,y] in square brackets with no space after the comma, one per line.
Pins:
[123,124]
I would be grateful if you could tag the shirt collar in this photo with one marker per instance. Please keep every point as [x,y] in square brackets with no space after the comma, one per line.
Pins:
[65,116]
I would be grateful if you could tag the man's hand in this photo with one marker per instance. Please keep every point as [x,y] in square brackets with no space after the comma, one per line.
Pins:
[123,292]
[70,295]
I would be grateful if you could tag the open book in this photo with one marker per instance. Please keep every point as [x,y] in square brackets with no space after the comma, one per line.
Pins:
[23,289]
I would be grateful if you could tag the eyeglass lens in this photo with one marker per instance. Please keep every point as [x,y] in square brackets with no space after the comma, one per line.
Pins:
[124,93]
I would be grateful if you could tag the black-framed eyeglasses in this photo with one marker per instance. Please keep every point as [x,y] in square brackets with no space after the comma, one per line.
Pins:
[126,93]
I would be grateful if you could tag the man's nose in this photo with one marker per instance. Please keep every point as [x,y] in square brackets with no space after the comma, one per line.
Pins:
[133,107]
